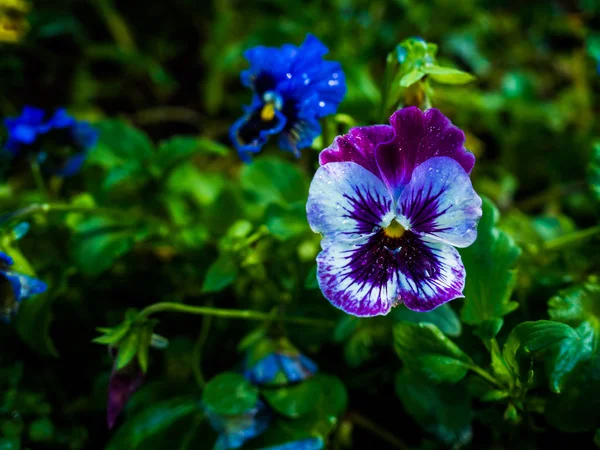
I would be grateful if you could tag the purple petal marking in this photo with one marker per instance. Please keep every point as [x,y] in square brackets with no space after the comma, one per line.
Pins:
[439,203]
[347,201]
[431,273]
[358,146]
[418,137]
[360,277]
[122,385]
[370,276]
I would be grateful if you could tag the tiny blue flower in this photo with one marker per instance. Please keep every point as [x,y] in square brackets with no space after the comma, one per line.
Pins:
[20,286]
[59,143]
[293,88]
[235,430]
[277,363]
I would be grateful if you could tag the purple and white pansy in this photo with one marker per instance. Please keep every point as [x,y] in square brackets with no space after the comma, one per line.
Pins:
[392,202]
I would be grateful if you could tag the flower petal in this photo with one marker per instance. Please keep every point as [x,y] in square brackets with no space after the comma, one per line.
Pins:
[431,273]
[250,133]
[347,201]
[439,202]
[24,286]
[358,146]
[418,137]
[361,277]
[122,385]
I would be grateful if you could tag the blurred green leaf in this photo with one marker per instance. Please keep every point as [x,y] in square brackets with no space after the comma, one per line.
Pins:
[424,349]
[594,171]
[447,75]
[33,323]
[128,349]
[180,148]
[122,150]
[99,241]
[444,411]
[140,430]
[229,394]
[221,273]
[442,317]
[286,222]
[294,401]
[491,276]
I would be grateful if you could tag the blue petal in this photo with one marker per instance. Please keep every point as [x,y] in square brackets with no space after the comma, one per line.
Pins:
[313,443]
[249,133]
[24,286]
[264,371]
[235,430]
[72,166]
[85,135]
[5,259]
[60,119]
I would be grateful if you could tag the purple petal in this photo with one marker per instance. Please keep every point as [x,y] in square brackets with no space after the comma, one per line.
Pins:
[439,202]
[431,273]
[122,385]
[418,137]
[361,277]
[358,146]
[347,201]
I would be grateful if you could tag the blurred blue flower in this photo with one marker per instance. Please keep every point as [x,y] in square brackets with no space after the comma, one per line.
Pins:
[59,143]
[293,88]
[235,430]
[277,364]
[314,443]
[20,287]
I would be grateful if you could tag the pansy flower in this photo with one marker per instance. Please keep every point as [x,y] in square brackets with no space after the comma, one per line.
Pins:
[392,202]
[15,287]
[123,383]
[277,363]
[235,430]
[59,143]
[293,88]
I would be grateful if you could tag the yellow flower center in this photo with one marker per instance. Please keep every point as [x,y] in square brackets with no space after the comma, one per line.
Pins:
[268,112]
[394,230]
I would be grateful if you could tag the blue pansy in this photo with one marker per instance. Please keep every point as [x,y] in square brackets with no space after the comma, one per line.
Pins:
[277,363]
[235,430]
[313,443]
[293,88]
[59,143]
[21,287]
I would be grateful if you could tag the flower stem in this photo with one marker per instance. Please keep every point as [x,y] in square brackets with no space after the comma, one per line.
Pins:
[38,178]
[197,352]
[571,238]
[385,435]
[485,374]
[230,314]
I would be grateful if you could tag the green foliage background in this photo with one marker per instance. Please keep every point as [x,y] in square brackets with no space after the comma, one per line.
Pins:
[179,219]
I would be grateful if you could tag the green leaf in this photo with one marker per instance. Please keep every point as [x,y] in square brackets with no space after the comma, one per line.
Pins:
[448,75]
[577,408]
[180,148]
[576,304]
[33,323]
[491,276]
[323,418]
[122,150]
[221,273]
[230,394]
[271,180]
[142,429]
[100,241]
[285,222]
[593,171]
[424,349]
[411,78]
[557,344]
[294,401]
[443,317]
[311,281]
[128,348]
[113,335]
[444,411]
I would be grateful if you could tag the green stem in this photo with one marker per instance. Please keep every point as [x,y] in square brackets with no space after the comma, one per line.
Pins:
[244,314]
[197,352]
[116,24]
[39,178]
[46,208]
[485,374]
[385,435]
[571,238]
